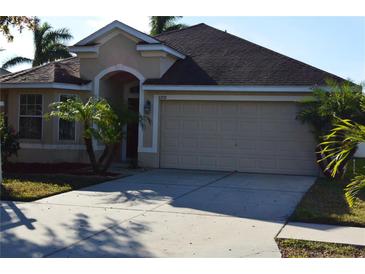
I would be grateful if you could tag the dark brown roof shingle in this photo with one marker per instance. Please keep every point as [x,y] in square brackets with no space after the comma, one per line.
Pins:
[219,58]
[65,71]
[213,57]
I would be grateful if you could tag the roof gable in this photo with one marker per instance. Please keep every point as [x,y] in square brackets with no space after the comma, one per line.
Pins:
[116,25]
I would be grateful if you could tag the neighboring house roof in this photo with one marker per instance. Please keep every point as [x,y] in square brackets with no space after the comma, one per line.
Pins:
[215,57]
[3,71]
[66,71]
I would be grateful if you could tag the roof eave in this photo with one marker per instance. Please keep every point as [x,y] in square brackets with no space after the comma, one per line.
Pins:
[66,86]
[230,88]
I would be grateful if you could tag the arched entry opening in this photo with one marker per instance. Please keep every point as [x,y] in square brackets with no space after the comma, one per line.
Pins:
[121,89]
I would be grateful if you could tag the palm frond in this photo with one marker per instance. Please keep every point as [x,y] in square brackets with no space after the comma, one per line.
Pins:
[353,189]
[57,36]
[175,27]
[16,61]
[160,24]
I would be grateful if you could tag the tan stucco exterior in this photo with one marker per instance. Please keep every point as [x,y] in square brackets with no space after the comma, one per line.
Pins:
[49,146]
[116,54]
[121,50]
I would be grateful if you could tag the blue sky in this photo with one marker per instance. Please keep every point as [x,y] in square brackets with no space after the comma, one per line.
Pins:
[334,44]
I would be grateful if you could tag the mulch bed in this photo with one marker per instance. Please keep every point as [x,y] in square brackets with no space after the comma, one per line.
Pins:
[54,168]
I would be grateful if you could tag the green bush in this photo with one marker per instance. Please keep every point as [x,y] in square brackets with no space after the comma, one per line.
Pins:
[9,140]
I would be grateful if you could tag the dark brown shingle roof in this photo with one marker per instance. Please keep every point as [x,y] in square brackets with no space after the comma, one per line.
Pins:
[213,57]
[65,71]
[219,58]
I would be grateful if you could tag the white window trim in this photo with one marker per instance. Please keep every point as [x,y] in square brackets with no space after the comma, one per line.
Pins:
[58,122]
[34,116]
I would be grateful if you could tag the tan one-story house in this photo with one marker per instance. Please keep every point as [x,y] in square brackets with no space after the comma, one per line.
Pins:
[215,101]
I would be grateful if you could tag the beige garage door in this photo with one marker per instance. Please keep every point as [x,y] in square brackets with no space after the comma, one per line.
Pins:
[243,136]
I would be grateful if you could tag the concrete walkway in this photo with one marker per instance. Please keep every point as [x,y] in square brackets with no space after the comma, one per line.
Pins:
[324,233]
[159,213]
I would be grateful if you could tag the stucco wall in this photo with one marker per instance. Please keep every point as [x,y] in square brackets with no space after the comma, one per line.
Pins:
[49,127]
[26,155]
[121,50]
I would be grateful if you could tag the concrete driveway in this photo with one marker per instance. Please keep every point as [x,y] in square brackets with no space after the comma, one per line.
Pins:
[160,213]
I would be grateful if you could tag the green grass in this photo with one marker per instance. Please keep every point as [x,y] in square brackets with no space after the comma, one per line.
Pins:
[325,203]
[309,249]
[33,187]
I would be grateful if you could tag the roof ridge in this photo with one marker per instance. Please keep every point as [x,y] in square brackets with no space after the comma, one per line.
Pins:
[275,52]
[177,30]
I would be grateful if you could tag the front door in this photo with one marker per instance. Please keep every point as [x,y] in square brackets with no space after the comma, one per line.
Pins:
[132,131]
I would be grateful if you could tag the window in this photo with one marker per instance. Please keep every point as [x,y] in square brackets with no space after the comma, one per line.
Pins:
[66,129]
[30,116]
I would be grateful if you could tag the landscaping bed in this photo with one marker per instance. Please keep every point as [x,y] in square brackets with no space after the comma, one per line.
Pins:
[309,249]
[29,182]
[57,168]
[325,203]
[36,186]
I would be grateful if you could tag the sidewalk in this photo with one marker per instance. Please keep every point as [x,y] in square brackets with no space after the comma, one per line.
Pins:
[324,233]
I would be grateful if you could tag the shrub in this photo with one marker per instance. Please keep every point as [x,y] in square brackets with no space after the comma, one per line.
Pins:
[9,140]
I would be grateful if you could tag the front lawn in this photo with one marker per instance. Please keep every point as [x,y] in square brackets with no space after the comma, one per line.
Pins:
[33,187]
[325,203]
[309,249]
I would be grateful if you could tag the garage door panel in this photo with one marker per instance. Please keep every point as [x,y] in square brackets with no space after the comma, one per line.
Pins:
[209,126]
[242,136]
[227,163]
[228,126]
[209,109]
[247,164]
[249,110]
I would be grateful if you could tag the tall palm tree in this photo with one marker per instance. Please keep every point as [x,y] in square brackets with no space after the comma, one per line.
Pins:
[339,145]
[49,46]
[161,24]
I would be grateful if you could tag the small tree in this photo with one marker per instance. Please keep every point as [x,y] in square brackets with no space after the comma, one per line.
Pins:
[100,122]
[339,146]
[9,141]
[320,112]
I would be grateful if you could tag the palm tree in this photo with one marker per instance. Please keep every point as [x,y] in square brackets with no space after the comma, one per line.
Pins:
[161,24]
[339,145]
[320,112]
[100,122]
[49,46]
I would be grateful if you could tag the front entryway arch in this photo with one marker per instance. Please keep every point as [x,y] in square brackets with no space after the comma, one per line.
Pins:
[122,85]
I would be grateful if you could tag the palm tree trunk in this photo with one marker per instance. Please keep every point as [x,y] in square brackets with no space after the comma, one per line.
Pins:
[90,152]
[103,155]
[109,157]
